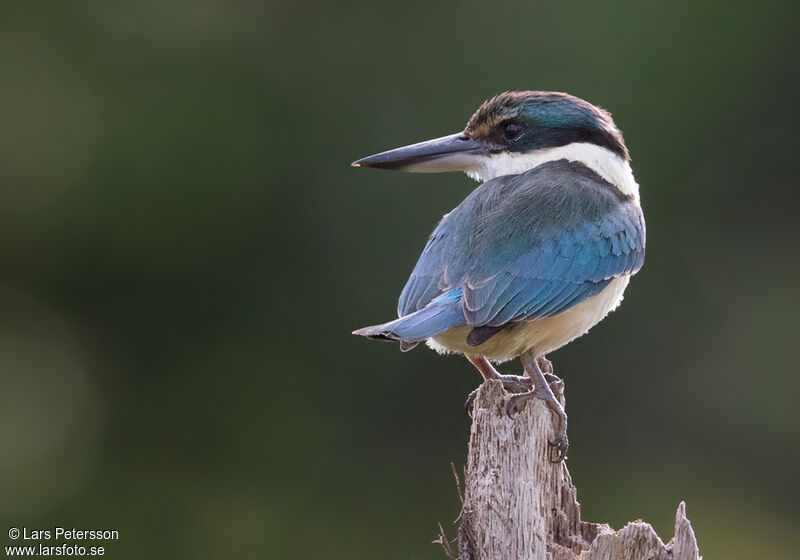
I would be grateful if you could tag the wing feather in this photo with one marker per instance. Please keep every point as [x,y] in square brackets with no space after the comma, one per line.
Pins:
[529,246]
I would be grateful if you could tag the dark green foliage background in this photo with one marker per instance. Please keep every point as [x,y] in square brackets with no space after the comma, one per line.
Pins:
[185,251]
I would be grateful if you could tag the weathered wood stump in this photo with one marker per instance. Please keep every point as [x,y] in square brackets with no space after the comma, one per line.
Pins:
[519,506]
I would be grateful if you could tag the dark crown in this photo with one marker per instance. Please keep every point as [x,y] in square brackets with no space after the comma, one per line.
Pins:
[523,121]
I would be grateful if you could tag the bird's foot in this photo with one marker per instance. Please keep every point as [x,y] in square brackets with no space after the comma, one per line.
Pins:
[511,383]
[560,443]
[552,379]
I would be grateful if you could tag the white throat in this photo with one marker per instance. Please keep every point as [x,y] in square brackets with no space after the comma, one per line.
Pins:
[601,160]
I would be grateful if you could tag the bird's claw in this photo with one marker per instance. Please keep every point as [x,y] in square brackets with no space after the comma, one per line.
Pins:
[511,384]
[512,404]
[516,383]
[552,379]
[561,445]
[471,401]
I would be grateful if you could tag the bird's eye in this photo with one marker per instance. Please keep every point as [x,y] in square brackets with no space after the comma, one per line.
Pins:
[512,130]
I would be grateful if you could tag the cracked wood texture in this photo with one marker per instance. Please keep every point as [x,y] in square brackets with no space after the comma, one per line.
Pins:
[520,506]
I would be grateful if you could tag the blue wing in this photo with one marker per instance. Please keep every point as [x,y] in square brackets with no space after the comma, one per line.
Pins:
[528,246]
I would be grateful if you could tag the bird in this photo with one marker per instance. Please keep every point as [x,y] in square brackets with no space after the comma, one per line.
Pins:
[536,255]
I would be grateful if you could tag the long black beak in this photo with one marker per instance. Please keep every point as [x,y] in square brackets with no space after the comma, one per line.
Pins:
[456,152]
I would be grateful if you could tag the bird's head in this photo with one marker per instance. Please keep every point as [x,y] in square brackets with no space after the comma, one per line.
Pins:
[509,134]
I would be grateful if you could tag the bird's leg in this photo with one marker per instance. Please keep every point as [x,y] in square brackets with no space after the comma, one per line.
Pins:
[511,383]
[542,390]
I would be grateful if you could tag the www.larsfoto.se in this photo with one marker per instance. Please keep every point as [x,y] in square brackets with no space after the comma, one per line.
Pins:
[48,550]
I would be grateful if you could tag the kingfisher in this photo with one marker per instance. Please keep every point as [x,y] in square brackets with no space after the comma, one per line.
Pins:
[535,256]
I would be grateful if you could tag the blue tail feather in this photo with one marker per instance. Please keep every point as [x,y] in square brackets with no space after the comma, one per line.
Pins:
[438,316]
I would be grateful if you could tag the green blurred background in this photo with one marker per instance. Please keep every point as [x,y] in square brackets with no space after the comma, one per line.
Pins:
[185,251]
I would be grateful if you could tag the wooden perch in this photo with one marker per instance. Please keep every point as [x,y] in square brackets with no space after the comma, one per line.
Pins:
[519,506]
